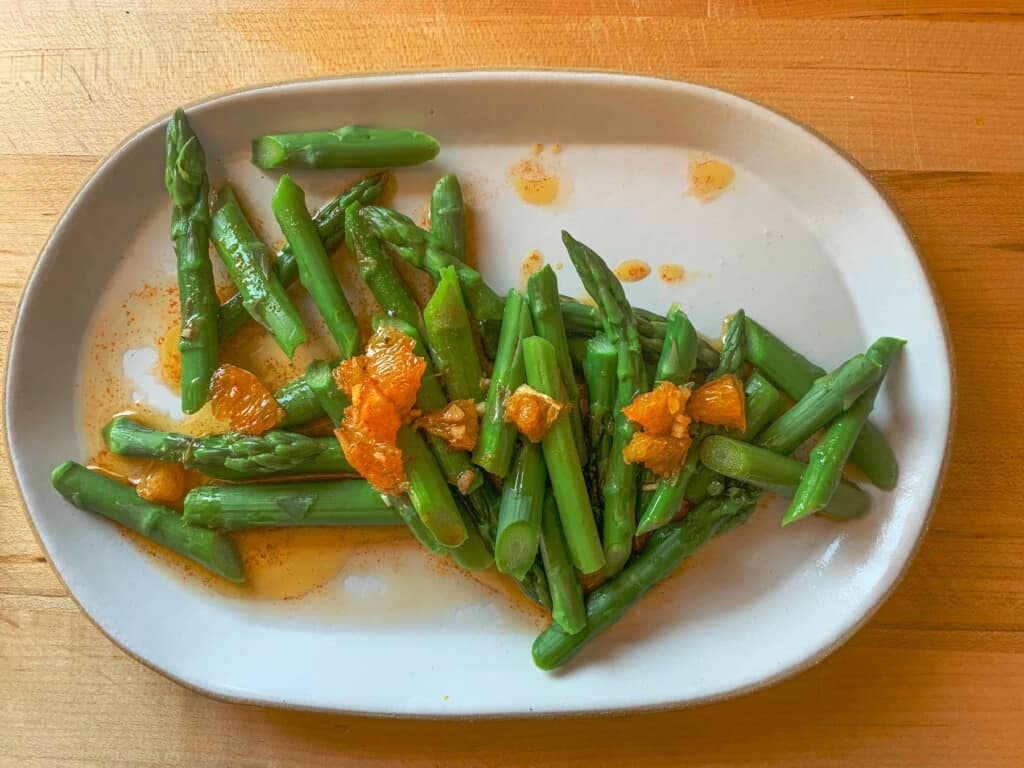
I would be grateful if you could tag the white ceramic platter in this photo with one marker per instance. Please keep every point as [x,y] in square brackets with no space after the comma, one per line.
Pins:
[801,240]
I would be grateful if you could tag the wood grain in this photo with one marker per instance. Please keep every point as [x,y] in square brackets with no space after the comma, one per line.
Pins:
[928,95]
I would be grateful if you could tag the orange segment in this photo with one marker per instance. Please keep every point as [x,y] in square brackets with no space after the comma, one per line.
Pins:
[661,411]
[163,483]
[663,455]
[240,398]
[381,384]
[720,402]
[532,412]
[458,424]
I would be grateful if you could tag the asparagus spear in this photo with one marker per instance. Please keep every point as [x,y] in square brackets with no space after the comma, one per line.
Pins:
[564,465]
[733,347]
[519,519]
[567,607]
[451,341]
[423,250]
[298,402]
[600,361]
[330,227]
[456,465]
[233,456]
[825,469]
[377,269]
[772,472]
[678,359]
[429,491]
[237,507]
[315,273]
[248,262]
[830,395]
[351,146]
[189,188]
[542,292]
[404,509]
[497,440]
[98,493]
[762,404]
[448,216]
[662,555]
[473,554]
[620,483]
[794,374]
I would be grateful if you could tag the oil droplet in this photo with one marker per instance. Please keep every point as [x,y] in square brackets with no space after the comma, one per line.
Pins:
[559,266]
[537,148]
[531,263]
[533,182]
[632,271]
[556,149]
[170,359]
[709,178]
[671,273]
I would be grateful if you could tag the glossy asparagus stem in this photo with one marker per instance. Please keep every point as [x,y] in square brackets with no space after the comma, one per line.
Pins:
[620,482]
[260,505]
[351,146]
[377,270]
[821,480]
[519,519]
[448,216]
[794,374]
[828,397]
[248,262]
[599,373]
[546,312]
[497,442]
[565,470]
[567,606]
[662,555]
[770,471]
[233,456]
[330,227]
[315,272]
[95,492]
[451,340]
[189,187]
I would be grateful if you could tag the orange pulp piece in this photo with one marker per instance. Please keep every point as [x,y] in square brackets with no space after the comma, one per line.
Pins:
[663,455]
[239,397]
[458,424]
[164,483]
[720,402]
[381,384]
[532,412]
[662,411]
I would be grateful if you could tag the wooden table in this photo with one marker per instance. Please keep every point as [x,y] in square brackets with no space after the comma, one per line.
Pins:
[929,96]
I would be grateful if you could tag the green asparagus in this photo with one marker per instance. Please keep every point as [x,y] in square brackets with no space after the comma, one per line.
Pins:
[620,484]
[824,471]
[546,312]
[351,146]
[770,471]
[451,340]
[794,374]
[564,465]
[497,440]
[95,492]
[337,502]
[830,395]
[315,273]
[330,227]
[248,262]
[189,188]
[599,373]
[377,270]
[662,555]
[567,607]
[448,216]
[429,491]
[519,518]
[233,456]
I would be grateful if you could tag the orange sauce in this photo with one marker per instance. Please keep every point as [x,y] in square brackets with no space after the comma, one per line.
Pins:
[534,182]
[671,273]
[632,271]
[532,262]
[709,178]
